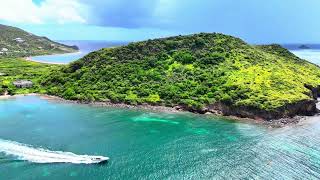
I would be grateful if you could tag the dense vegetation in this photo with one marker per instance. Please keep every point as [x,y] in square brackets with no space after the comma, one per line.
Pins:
[12,69]
[193,71]
[15,42]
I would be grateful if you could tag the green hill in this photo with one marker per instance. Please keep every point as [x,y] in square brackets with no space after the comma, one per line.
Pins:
[200,73]
[13,69]
[15,42]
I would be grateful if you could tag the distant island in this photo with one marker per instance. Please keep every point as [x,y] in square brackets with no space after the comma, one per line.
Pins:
[304,47]
[15,42]
[202,73]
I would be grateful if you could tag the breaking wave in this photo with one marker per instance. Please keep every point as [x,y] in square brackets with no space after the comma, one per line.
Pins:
[40,155]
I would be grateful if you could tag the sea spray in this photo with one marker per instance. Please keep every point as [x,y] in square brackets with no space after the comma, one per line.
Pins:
[40,155]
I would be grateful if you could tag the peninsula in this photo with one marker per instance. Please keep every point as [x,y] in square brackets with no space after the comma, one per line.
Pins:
[206,72]
[15,42]
[201,73]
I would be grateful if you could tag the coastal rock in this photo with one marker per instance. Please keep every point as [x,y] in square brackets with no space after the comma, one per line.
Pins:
[303,108]
[315,91]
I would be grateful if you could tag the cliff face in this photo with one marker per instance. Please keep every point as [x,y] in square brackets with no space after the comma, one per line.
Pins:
[303,108]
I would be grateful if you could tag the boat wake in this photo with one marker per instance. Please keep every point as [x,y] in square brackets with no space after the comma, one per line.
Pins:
[39,155]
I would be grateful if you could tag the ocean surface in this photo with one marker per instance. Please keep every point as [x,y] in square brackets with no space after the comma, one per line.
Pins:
[148,145]
[312,54]
[84,46]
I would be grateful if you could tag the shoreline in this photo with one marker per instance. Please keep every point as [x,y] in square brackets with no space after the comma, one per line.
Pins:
[29,58]
[43,62]
[276,123]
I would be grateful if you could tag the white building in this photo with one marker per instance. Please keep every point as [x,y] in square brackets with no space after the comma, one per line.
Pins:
[19,40]
[23,84]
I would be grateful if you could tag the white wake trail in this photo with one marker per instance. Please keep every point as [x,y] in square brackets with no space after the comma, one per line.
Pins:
[39,155]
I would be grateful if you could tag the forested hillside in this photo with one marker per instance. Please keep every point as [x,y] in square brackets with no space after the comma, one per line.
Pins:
[13,69]
[15,42]
[203,73]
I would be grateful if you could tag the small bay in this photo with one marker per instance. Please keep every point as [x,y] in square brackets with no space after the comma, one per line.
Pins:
[85,47]
[152,145]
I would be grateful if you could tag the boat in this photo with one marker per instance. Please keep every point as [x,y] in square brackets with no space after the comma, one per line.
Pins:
[24,152]
[99,159]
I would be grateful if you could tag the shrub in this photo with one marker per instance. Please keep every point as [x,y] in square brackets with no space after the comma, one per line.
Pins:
[69,93]
[214,59]
[183,57]
[131,98]
[153,98]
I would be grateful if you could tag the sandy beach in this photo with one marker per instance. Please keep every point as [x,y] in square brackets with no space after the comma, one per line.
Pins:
[44,62]
[48,62]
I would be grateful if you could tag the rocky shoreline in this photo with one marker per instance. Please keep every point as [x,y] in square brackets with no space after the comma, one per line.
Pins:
[272,123]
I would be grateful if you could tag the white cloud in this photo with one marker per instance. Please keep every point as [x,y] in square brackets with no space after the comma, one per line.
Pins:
[50,11]
[165,9]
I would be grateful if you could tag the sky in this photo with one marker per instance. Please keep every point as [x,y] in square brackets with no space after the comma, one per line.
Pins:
[255,21]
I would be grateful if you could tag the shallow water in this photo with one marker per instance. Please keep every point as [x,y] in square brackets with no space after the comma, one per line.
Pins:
[149,145]
[84,46]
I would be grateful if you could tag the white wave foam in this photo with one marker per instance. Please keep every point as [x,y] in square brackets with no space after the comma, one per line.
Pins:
[39,155]
[208,150]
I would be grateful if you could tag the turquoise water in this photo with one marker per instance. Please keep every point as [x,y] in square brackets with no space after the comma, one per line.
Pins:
[60,58]
[149,145]
[84,46]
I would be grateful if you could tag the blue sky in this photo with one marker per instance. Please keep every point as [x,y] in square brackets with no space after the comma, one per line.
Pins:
[256,21]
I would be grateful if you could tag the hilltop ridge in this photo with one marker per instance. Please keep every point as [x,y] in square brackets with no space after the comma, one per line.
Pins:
[15,42]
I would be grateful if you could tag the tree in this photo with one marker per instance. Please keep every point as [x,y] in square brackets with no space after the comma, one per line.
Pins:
[214,58]
[183,57]
[69,93]
[153,98]
[131,98]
